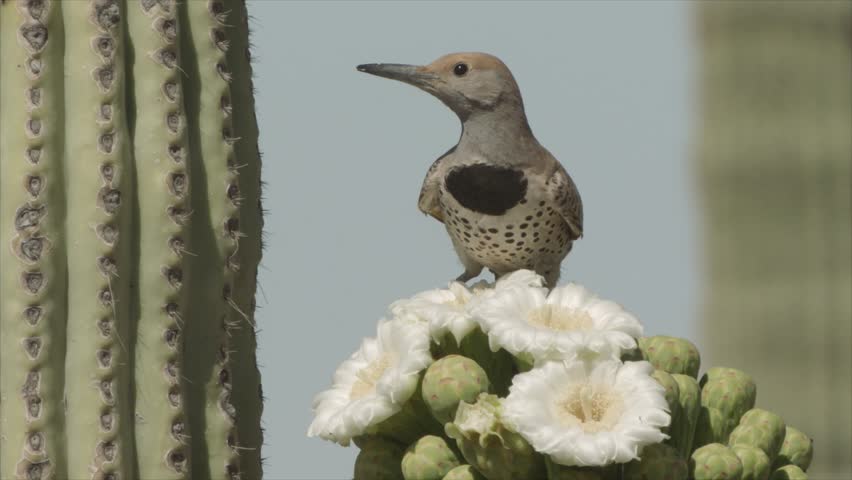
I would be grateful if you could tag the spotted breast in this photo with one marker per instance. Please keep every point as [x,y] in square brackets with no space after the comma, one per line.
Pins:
[496,218]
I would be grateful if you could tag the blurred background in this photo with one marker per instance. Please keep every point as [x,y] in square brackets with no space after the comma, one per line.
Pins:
[710,142]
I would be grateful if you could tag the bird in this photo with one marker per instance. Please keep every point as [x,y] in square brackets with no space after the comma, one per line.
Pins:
[506,202]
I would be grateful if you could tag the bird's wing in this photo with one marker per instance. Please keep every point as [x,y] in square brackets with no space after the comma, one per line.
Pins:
[429,192]
[564,195]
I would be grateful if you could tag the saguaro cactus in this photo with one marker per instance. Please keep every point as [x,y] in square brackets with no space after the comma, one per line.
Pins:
[774,151]
[130,227]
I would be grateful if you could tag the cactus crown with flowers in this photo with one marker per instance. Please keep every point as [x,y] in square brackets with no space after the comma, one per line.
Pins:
[510,381]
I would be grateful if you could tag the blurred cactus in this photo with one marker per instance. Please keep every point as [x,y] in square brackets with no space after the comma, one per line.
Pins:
[130,228]
[776,180]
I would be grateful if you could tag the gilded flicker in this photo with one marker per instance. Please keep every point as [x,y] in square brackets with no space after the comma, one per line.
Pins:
[505,201]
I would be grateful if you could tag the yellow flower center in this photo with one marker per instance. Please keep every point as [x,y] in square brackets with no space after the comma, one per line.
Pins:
[594,408]
[369,376]
[555,317]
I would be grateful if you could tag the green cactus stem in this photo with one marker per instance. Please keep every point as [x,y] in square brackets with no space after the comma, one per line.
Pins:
[451,380]
[672,394]
[463,472]
[712,426]
[683,431]
[412,422]
[378,459]
[657,461]
[429,458]
[671,354]
[499,365]
[797,449]
[789,472]
[714,462]
[562,472]
[756,465]
[130,222]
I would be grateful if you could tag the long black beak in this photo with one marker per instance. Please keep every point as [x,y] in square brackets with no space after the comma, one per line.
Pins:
[411,74]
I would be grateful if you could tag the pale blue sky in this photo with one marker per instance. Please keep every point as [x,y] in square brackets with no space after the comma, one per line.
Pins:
[608,89]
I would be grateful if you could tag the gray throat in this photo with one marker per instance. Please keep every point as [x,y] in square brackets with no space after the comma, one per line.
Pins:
[501,136]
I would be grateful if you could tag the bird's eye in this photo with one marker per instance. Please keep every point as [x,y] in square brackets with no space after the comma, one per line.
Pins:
[460,69]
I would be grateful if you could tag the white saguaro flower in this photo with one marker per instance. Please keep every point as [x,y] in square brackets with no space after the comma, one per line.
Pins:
[450,310]
[569,322]
[588,413]
[374,383]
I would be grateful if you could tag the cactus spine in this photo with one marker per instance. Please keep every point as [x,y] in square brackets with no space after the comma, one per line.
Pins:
[128,166]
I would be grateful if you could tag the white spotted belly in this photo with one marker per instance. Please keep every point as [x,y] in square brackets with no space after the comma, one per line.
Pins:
[530,235]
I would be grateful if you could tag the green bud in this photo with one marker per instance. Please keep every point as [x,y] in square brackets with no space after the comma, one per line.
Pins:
[463,472]
[379,459]
[429,458]
[489,446]
[789,472]
[671,354]
[657,461]
[451,380]
[755,462]
[730,390]
[715,461]
[727,393]
[762,429]
[683,430]
[797,449]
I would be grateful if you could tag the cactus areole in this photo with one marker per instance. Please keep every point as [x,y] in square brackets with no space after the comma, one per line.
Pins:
[130,227]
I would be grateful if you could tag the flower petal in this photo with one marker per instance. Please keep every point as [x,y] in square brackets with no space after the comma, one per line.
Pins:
[587,413]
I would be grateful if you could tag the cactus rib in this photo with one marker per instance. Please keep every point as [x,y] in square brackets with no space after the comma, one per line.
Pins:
[247,396]
[161,172]
[32,252]
[98,179]
[213,164]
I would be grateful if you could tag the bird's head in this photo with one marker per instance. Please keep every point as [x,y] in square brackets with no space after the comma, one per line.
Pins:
[465,82]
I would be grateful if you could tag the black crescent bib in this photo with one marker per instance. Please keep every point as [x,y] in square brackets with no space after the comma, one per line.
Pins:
[486,189]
